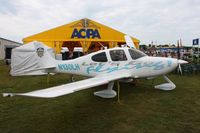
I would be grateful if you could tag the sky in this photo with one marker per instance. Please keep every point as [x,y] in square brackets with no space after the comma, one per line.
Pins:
[157,21]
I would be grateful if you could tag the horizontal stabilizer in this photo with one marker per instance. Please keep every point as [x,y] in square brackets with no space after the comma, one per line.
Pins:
[44,68]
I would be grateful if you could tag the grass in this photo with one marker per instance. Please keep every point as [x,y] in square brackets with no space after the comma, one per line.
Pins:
[142,108]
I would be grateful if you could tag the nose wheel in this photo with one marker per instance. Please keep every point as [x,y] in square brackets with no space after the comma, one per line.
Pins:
[166,86]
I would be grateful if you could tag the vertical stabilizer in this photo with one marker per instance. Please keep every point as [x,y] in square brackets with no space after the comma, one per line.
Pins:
[43,55]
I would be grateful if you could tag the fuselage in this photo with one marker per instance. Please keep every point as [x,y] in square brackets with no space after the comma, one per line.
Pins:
[117,60]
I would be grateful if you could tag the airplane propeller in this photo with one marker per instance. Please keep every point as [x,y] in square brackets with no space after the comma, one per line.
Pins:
[129,42]
[180,69]
[179,65]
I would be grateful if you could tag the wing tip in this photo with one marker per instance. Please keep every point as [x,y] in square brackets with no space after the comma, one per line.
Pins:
[7,94]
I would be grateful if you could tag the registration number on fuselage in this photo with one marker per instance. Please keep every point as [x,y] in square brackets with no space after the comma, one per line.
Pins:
[69,67]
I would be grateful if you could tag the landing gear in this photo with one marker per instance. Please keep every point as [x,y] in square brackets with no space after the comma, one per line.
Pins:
[166,86]
[72,79]
[108,93]
[48,78]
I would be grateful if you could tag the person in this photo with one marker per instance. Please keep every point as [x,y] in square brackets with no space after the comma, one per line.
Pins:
[121,55]
[70,55]
[69,58]
[92,48]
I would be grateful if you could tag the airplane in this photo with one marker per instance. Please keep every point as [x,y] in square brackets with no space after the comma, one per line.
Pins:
[103,67]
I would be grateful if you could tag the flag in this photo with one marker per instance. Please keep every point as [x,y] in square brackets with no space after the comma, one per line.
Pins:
[178,50]
[181,45]
[195,41]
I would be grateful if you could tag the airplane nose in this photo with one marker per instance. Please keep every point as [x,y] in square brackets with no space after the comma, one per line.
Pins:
[182,62]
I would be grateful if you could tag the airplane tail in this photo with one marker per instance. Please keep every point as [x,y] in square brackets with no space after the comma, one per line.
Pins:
[44,57]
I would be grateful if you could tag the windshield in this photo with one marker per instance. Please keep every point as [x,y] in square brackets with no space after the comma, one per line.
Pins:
[136,54]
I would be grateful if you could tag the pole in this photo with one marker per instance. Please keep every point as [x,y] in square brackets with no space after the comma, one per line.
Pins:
[178,50]
[192,51]
[85,27]
[118,91]
[198,52]
[48,77]
[181,49]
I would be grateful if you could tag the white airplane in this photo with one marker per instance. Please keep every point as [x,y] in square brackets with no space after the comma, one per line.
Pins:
[103,67]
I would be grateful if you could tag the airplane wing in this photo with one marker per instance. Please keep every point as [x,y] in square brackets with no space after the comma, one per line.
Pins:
[72,87]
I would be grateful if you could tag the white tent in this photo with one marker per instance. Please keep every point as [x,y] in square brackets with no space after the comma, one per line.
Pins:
[24,60]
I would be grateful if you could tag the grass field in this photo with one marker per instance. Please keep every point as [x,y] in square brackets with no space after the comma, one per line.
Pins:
[142,108]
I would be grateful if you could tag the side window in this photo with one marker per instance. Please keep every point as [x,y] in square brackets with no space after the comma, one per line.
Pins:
[136,54]
[100,57]
[118,55]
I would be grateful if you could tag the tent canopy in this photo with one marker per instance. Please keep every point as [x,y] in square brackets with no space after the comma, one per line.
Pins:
[84,32]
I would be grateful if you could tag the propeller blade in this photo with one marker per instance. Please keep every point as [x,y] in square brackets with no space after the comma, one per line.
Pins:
[129,41]
[180,69]
[179,65]
[182,62]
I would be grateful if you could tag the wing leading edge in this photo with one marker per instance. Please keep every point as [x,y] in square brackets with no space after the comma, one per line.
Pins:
[72,87]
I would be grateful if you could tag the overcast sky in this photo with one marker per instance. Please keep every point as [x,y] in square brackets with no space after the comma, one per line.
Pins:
[161,21]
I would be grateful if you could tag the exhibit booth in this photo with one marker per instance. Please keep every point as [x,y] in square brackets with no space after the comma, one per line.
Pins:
[85,33]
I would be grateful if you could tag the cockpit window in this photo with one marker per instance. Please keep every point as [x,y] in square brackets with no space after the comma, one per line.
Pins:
[100,57]
[135,54]
[118,55]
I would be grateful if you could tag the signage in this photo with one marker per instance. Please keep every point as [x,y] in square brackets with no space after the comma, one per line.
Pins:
[85,33]
[85,29]
[40,52]
[195,42]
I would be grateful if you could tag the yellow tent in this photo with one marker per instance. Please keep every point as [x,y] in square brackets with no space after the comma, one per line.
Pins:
[84,32]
